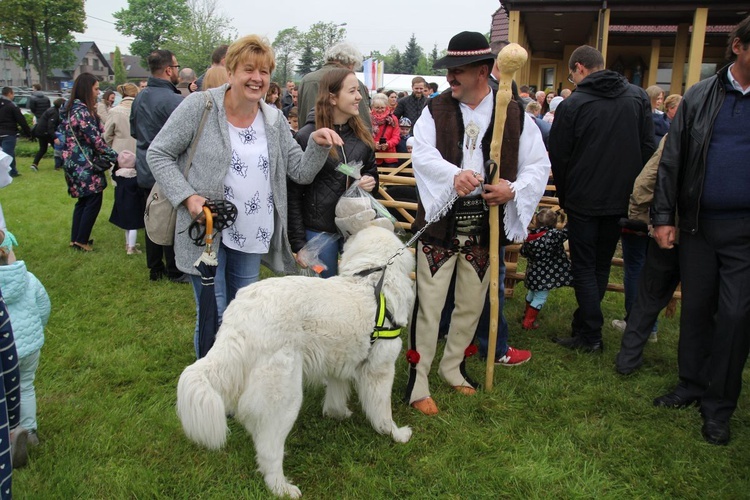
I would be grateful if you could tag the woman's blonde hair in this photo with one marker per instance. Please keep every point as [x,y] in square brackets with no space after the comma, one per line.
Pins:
[253,49]
[672,101]
[215,77]
[128,89]
[331,84]
[379,98]
[654,91]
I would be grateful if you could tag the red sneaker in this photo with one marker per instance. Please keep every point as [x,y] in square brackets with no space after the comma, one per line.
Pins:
[513,357]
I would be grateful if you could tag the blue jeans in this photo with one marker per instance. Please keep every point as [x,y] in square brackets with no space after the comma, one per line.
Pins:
[8,145]
[236,270]
[329,254]
[483,327]
[634,257]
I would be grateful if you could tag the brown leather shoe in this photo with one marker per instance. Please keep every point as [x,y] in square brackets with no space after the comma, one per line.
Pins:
[427,406]
[84,247]
[465,390]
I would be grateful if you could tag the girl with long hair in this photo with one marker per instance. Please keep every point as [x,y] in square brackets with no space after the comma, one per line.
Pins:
[312,207]
[273,96]
[83,142]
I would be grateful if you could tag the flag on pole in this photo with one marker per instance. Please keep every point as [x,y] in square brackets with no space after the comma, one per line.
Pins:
[370,71]
[380,73]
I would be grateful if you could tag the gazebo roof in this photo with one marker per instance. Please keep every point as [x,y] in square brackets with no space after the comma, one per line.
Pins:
[551,25]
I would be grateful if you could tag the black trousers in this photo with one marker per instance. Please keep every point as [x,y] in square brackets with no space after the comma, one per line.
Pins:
[84,217]
[593,240]
[159,258]
[43,143]
[715,322]
[656,285]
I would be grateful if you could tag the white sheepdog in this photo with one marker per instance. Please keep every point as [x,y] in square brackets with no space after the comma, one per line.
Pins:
[280,332]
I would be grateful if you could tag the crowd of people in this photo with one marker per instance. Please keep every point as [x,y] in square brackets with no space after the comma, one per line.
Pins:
[615,152]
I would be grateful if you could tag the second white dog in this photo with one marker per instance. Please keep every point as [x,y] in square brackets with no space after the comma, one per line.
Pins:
[281,331]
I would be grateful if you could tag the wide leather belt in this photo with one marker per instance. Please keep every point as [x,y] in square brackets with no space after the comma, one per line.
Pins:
[471,215]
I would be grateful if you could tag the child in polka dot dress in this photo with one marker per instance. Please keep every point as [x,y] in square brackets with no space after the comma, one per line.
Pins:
[548,264]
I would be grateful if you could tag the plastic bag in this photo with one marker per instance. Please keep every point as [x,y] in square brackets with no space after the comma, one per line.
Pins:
[353,169]
[309,255]
[358,209]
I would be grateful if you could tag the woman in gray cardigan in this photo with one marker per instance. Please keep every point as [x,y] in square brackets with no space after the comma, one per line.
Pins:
[232,161]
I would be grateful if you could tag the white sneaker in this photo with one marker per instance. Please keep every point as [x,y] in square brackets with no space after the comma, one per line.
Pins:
[34,168]
[653,337]
[619,324]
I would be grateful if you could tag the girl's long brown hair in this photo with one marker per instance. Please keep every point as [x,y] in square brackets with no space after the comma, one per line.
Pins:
[83,90]
[331,83]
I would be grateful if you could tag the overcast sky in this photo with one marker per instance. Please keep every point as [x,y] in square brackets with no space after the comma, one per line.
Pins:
[389,22]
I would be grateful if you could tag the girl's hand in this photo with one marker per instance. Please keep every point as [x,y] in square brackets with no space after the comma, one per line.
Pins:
[367,182]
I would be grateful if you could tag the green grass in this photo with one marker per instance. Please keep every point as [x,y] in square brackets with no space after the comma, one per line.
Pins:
[564,425]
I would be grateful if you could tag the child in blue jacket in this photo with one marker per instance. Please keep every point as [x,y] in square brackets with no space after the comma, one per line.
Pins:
[29,308]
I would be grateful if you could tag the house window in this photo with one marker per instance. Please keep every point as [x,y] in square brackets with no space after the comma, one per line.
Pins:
[96,64]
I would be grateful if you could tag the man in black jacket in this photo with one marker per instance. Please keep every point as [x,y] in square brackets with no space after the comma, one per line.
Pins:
[148,114]
[411,106]
[602,136]
[10,119]
[703,176]
[38,102]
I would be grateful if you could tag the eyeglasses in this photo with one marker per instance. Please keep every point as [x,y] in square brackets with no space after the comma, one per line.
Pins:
[178,66]
[570,74]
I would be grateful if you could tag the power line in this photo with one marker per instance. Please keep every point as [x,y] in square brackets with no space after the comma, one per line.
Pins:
[99,19]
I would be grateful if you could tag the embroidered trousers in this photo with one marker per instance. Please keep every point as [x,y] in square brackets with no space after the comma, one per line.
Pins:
[432,289]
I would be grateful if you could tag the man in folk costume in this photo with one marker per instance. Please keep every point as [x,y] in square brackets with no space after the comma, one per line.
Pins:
[452,143]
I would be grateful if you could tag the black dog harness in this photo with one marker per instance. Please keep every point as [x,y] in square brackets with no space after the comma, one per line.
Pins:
[382,313]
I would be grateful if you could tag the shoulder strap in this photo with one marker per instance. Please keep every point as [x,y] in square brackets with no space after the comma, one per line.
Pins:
[207,107]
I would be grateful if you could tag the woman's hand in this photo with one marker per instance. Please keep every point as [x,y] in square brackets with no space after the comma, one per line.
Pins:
[367,182]
[194,204]
[327,137]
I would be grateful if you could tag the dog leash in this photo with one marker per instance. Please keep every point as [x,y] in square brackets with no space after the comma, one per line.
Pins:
[419,233]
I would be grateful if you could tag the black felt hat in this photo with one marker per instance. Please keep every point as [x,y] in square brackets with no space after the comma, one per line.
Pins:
[465,48]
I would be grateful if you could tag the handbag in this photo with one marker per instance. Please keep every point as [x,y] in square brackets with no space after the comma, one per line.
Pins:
[98,164]
[160,217]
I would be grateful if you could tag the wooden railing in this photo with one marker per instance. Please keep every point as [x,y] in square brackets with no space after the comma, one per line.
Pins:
[393,177]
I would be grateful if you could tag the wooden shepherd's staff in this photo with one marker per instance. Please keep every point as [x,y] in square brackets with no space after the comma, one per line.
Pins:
[509,60]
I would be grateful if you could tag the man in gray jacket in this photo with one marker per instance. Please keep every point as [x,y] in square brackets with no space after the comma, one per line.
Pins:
[148,114]
[341,55]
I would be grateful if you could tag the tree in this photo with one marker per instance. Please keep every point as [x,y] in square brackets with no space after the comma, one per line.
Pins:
[320,37]
[121,74]
[285,45]
[306,61]
[151,23]
[44,30]
[204,29]
[393,62]
[411,56]
[434,56]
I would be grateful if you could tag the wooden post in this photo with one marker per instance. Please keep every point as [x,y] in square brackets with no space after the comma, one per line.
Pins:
[509,60]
